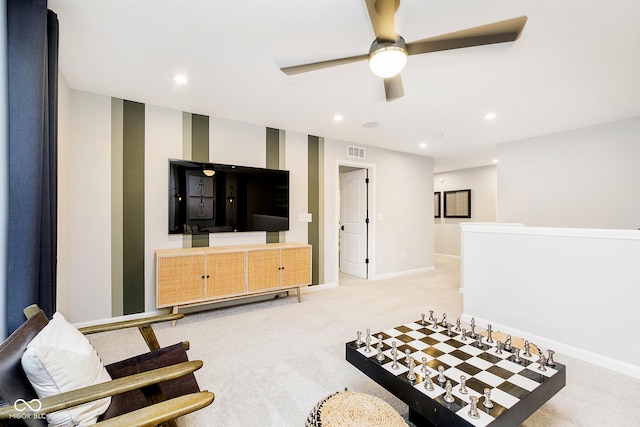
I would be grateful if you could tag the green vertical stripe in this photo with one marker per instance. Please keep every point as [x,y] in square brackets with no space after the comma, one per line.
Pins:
[200,138]
[273,148]
[314,191]
[186,154]
[186,135]
[116,208]
[133,206]
[273,162]
[200,153]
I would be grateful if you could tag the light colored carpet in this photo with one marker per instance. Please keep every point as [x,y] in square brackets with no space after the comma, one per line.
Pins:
[269,363]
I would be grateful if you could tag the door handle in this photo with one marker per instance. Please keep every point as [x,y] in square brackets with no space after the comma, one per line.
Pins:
[342,227]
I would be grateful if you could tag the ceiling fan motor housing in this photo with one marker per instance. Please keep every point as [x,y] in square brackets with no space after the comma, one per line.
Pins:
[380,44]
[387,58]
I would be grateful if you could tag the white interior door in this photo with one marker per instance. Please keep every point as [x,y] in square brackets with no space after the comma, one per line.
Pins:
[353,223]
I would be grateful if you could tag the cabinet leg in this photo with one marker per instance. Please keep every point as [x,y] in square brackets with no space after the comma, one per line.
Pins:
[174,310]
[299,295]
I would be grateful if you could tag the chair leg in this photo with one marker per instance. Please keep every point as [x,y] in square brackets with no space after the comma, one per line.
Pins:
[149,337]
[174,310]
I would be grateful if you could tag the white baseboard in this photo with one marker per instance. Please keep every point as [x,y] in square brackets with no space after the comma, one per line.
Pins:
[578,353]
[447,255]
[316,288]
[404,273]
[190,308]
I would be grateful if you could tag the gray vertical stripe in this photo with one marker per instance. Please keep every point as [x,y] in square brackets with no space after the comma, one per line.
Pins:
[133,129]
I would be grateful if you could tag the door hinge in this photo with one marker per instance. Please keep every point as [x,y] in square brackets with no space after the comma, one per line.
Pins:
[366,180]
[366,261]
[366,220]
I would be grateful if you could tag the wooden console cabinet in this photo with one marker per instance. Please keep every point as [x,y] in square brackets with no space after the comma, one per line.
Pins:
[193,276]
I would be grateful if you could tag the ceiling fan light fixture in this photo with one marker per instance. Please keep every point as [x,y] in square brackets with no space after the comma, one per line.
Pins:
[208,170]
[386,59]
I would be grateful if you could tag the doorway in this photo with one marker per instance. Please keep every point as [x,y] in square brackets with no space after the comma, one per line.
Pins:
[354,225]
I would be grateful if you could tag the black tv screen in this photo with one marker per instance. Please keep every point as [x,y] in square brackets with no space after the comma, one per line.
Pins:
[213,197]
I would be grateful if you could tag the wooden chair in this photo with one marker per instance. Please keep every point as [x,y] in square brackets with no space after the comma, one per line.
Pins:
[148,390]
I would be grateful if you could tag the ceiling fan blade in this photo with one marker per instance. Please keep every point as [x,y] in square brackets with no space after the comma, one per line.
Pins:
[381,14]
[297,69]
[393,88]
[498,32]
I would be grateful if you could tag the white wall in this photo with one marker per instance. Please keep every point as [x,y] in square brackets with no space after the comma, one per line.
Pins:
[163,140]
[400,212]
[64,183]
[232,142]
[571,290]
[582,178]
[482,182]
[296,153]
[86,292]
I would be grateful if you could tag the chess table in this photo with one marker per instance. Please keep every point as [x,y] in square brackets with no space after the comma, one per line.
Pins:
[517,389]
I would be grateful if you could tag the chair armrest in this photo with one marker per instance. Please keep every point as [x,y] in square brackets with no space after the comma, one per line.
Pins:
[106,389]
[158,413]
[133,323]
[143,324]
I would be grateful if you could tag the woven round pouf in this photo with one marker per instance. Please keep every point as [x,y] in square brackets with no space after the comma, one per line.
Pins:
[348,408]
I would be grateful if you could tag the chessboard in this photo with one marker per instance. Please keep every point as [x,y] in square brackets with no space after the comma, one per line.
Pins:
[431,358]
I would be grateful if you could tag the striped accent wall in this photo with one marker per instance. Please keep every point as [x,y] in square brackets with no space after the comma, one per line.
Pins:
[127,219]
[128,195]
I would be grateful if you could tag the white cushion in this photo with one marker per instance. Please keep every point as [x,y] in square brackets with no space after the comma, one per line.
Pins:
[60,359]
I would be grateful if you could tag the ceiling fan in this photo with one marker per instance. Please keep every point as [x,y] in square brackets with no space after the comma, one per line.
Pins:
[389,45]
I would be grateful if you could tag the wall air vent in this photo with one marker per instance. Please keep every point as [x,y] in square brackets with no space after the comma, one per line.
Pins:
[356,152]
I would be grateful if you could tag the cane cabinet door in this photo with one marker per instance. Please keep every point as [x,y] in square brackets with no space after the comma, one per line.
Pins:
[180,279]
[225,274]
[263,269]
[296,266]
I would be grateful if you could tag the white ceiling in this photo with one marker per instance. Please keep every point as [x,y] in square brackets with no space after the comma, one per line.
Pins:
[577,63]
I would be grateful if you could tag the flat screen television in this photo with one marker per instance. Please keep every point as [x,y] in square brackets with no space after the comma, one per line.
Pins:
[214,198]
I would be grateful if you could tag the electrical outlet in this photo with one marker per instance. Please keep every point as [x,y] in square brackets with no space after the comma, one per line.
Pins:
[304,217]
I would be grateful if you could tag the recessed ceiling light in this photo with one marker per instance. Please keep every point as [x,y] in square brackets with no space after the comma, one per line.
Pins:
[370,125]
[495,160]
[181,79]
[338,118]
[423,145]
[490,116]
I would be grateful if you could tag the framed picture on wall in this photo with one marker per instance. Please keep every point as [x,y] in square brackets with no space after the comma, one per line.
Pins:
[457,204]
[436,205]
